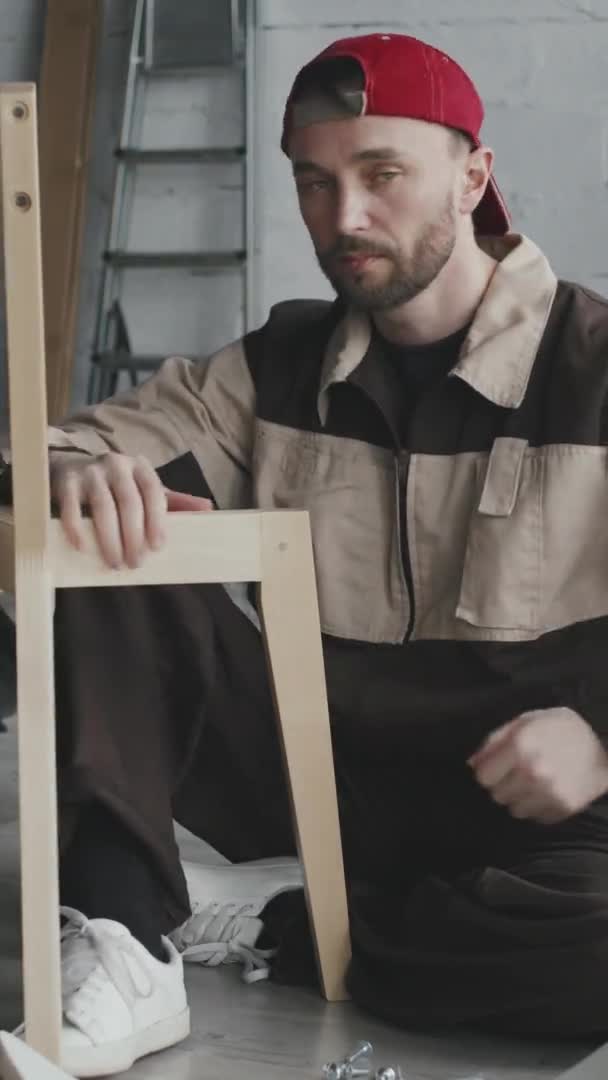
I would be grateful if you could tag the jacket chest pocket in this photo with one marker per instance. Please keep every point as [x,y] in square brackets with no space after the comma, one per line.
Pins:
[348,488]
[501,586]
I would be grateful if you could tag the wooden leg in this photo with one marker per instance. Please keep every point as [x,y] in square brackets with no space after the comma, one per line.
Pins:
[19,1062]
[20,199]
[290,616]
[38,806]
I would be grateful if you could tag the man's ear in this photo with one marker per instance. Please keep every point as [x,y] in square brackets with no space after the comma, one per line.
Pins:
[477,171]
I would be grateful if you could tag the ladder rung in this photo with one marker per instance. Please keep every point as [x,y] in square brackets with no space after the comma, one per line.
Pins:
[208,156]
[211,260]
[159,72]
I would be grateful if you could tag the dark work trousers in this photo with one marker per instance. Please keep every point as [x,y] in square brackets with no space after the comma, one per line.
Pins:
[459,913]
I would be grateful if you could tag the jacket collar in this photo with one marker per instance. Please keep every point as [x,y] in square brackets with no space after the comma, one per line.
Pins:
[498,353]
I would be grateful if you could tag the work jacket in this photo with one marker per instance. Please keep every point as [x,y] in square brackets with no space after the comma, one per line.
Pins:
[478,551]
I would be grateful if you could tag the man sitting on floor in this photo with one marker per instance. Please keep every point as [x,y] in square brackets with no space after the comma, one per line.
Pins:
[444,421]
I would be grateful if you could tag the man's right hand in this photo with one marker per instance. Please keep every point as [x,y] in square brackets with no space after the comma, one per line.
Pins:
[125,498]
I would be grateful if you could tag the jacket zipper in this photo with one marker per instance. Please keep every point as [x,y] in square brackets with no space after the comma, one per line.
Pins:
[407,578]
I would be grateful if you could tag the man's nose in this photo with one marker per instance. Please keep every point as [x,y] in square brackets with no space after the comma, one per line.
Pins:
[351,212]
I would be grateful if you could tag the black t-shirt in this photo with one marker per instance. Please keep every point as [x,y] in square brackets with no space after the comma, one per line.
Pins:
[419,367]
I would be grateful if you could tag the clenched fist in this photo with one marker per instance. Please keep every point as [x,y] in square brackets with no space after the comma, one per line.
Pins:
[545,765]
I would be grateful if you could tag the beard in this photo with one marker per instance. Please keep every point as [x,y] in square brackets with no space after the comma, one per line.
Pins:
[408,275]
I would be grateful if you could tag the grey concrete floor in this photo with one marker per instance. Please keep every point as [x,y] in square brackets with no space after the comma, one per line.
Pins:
[266,1031]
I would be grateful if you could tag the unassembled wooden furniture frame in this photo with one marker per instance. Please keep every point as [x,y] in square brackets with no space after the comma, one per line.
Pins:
[67,99]
[272,548]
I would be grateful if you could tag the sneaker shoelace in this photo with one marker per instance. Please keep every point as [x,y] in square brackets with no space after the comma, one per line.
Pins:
[211,937]
[84,948]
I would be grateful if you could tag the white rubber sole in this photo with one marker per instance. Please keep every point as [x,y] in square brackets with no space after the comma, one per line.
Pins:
[116,1057]
[277,862]
[241,881]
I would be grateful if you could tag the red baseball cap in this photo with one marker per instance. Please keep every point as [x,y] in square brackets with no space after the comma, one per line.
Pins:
[402,76]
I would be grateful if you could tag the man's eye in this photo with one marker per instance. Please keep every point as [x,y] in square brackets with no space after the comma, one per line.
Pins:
[385,177]
[308,186]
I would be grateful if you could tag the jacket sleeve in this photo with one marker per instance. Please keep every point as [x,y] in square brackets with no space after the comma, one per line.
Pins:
[206,408]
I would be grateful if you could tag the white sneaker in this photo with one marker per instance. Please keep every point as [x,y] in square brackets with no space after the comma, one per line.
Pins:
[119,1001]
[226,903]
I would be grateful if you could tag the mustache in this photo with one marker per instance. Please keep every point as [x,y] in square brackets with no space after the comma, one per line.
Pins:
[353,245]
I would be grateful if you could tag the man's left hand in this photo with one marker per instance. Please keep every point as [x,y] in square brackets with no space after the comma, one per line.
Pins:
[545,765]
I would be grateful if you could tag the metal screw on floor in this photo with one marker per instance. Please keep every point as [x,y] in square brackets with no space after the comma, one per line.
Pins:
[347,1068]
[341,1070]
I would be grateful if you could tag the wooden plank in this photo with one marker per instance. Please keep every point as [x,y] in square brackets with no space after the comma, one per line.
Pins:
[292,634]
[20,1062]
[66,111]
[34,593]
[219,546]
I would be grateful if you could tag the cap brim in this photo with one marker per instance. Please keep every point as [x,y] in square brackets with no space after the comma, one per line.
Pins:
[492,217]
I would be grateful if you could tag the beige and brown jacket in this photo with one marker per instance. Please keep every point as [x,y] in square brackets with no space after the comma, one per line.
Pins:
[484,536]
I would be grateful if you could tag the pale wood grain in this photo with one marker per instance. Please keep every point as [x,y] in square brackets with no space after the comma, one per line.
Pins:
[290,617]
[216,546]
[33,584]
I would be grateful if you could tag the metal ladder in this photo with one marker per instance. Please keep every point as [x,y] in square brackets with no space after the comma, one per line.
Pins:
[152,56]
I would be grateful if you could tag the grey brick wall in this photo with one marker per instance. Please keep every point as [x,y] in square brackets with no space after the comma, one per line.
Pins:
[21,26]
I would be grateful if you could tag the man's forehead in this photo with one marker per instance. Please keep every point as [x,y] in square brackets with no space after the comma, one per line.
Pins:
[362,135]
